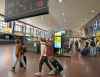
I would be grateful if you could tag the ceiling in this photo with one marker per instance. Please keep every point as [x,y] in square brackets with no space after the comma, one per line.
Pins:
[68,14]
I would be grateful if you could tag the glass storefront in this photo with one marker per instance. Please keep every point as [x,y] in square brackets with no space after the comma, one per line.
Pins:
[92,30]
[19,28]
[93,26]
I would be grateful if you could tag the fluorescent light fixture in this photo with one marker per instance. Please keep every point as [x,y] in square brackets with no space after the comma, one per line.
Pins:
[81,24]
[63,14]
[93,11]
[60,1]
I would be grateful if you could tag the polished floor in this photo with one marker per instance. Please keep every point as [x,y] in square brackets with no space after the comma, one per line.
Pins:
[76,66]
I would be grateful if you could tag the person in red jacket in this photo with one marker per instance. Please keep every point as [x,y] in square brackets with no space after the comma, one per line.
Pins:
[50,51]
[50,55]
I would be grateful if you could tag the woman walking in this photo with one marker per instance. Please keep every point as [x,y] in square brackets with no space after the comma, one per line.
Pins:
[43,58]
[19,51]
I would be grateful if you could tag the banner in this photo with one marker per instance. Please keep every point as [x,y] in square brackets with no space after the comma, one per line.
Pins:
[57,40]
[18,9]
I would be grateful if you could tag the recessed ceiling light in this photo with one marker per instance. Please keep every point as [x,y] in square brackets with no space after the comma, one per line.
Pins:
[93,11]
[60,1]
[63,14]
[81,24]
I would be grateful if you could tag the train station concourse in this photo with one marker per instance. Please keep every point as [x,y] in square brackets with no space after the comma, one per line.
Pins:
[49,38]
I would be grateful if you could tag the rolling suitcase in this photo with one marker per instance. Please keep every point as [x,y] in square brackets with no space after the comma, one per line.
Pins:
[25,61]
[85,52]
[56,65]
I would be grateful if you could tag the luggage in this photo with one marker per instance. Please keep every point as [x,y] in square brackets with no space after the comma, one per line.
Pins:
[24,49]
[21,64]
[56,65]
[24,60]
[85,51]
[78,49]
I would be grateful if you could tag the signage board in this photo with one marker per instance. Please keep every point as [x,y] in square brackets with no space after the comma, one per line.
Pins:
[18,9]
[57,42]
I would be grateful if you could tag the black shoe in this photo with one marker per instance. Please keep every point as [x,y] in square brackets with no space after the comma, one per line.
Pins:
[13,69]
[25,68]
[21,65]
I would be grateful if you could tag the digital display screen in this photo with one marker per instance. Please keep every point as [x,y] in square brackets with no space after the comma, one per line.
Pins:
[57,43]
[57,40]
[58,34]
[98,36]
[18,9]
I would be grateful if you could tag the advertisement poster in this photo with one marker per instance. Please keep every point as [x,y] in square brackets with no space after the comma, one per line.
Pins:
[57,42]
[98,36]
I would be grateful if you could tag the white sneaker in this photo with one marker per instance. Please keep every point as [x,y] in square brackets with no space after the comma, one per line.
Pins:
[51,72]
[38,73]
[62,74]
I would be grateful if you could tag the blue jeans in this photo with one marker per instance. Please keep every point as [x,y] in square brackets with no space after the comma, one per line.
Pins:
[93,51]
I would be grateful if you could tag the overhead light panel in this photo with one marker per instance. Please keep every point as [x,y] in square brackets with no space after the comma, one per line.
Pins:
[81,24]
[63,14]
[60,1]
[93,11]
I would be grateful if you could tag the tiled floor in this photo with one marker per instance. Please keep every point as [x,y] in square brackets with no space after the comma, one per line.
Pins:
[76,66]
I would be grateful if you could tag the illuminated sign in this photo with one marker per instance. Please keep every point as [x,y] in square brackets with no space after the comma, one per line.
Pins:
[57,42]
[58,34]
[7,30]
[98,36]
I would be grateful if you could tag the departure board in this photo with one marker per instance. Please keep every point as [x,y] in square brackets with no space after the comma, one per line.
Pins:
[18,9]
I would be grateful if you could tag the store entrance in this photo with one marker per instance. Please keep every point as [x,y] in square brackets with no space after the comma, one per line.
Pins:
[69,45]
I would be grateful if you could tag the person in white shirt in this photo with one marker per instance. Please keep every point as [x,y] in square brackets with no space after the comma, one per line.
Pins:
[43,57]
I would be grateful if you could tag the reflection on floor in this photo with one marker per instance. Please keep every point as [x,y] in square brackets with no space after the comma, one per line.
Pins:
[76,66]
